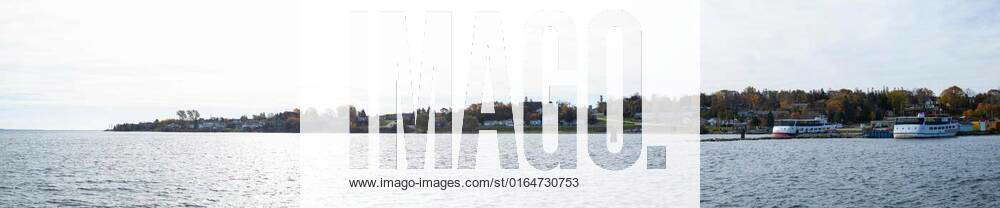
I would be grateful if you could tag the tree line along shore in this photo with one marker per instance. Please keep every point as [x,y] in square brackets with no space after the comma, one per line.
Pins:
[753,109]
[502,118]
[191,121]
[757,110]
[356,119]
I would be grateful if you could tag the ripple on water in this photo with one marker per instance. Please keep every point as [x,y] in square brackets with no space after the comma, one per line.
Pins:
[958,172]
[113,169]
[68,202]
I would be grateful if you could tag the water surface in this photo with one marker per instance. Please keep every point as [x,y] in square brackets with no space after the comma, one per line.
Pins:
[948,172]
[92,168]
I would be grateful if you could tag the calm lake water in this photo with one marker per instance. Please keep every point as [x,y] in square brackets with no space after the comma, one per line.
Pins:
[90,168]
[948,172]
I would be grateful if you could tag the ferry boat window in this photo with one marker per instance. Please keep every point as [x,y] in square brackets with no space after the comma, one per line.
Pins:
[809,123]
[786,123]
[937,121]
[909,121]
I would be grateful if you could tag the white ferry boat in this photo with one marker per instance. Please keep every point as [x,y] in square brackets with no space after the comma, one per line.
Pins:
[786,128]
[925,127]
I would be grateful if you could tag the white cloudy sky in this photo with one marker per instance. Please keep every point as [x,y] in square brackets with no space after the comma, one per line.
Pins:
[850,44]
[68,64]
[669,35]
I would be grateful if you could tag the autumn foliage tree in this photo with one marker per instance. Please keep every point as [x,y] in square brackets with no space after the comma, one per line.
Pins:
[954,100]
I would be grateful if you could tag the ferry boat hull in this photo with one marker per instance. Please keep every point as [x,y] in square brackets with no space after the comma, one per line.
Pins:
[794,131]
[924,131]
[783,135]
[921,135]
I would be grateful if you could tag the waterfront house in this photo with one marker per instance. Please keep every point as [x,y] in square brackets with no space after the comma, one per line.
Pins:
[535,122]
[211,126]
[387,117]
[504,123]
[252,125]
[724,122]
[173,126]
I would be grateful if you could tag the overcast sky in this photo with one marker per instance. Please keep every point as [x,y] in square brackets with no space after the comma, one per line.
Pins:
[88,64]
[67,64]
[850,44]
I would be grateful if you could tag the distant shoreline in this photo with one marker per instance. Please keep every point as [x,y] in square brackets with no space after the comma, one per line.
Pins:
[191,121]
[52,130]
[828,136]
